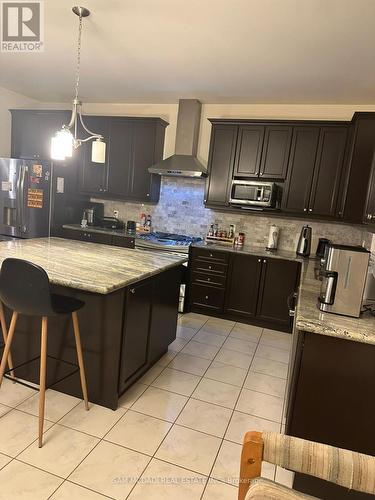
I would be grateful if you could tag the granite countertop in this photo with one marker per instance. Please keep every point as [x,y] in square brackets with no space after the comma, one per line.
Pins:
[98,229]
[89,266]
[309,318]
[256,250]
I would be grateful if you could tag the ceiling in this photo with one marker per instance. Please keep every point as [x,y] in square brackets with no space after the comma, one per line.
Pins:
[220,51]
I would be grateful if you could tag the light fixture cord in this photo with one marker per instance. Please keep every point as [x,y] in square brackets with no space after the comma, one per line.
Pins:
[78,67]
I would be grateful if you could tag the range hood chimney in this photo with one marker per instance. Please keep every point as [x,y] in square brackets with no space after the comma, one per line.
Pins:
[184,162]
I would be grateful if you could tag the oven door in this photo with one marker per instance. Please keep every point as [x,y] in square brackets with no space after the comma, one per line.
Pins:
[254,193]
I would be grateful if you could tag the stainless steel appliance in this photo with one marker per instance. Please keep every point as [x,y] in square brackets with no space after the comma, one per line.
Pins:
[321,248]
[304,242]
[343,279]
[25,198]
[170,242]
[254,194]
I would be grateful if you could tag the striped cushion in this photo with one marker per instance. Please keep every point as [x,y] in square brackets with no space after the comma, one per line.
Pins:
[263,489]
[347,468]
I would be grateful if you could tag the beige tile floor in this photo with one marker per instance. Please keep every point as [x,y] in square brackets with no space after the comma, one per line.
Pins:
[176,434]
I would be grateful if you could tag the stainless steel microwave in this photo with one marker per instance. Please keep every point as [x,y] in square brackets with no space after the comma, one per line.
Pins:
[253,193]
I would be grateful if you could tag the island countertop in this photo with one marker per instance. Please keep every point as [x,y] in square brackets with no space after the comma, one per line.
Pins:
[89,266]
[309,318]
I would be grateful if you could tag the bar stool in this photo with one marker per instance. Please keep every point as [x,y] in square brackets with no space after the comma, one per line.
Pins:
[25,289]
[5,337]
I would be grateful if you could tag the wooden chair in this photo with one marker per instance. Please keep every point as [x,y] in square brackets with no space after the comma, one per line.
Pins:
[349,469]
[25,289]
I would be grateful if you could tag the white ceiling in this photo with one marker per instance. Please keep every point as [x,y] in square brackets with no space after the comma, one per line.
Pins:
[230,51]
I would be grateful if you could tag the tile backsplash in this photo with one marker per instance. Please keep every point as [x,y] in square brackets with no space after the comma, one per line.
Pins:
[181,210]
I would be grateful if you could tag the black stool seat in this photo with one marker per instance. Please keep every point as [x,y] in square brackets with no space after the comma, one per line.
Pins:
[65,305]
[25,288]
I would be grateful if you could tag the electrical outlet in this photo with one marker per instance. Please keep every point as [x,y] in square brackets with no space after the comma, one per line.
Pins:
[115,214]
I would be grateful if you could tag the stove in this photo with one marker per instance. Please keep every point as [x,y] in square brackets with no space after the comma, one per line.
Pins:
[178,243]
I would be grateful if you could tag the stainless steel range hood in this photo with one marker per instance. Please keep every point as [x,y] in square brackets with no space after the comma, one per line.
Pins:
[184,162]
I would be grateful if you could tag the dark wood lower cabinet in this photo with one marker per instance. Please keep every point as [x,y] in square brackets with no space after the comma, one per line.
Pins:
[242,287]
[137,319]
[278,281]
[331,401]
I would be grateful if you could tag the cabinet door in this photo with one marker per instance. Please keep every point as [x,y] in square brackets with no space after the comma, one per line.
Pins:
[300,169]
[249,151]
[328,170]
[32,132]
[136,330]
[370,206]
[120,155]
[143,157]
[275,154]
[220,164]
[243,285]
[278,281]
[94,176]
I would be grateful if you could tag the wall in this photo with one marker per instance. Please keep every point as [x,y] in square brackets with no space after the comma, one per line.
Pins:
[9,100]
[181,210]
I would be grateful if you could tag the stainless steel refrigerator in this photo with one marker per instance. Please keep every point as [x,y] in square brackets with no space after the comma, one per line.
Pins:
[25,198]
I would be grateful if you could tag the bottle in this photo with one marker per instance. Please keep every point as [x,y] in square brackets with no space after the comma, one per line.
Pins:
[211,230]
[143,219]
[231,231]
[216,229]
[148,221]
[241,239]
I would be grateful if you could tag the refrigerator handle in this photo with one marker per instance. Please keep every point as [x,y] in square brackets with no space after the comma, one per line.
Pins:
[18,200]
[22,197]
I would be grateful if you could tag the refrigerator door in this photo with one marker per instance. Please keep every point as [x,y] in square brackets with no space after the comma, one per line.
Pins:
[35,199]
[24,198]
[10,177]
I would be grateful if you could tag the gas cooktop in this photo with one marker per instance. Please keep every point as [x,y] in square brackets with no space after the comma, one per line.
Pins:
[166,241]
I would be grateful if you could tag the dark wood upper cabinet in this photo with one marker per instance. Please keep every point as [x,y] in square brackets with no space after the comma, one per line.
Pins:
[94,176]
[278,281]
[302,159]
[243,285]
[32,131]
[141,182]
[133,145]
[220,164]
[121,133]
[361,159]
[276,147]
[328,171]
[249,151]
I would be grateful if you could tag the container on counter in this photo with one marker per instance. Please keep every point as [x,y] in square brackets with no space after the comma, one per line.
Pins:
[231,231]
[273,238]
[241,239]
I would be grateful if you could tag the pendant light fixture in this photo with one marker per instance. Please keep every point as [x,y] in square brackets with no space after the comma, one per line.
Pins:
[66,140]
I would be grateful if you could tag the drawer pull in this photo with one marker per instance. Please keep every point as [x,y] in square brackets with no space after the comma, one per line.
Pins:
[206,297]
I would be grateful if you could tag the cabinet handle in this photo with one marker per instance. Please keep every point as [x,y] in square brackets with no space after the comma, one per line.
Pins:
[209,267]
[310,209]
[132,290]
[264,261]
[369,216]
[261,173]
[259,260]
[211,255]
[206,297]
[148,194]
[208,279]
[305,209]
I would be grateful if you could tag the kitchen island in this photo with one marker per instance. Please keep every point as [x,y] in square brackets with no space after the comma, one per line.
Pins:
[331,387]
[129,319]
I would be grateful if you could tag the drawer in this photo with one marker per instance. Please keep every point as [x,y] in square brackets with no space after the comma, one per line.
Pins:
[210,267]
[208,279]
[213,255]
[104,239]
[72,234]
[123,241]
[207,297]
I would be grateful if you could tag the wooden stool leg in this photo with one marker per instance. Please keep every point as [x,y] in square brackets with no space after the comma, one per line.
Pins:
[6,352]
[5,336]
[251,461]
[80,359]
[42,378]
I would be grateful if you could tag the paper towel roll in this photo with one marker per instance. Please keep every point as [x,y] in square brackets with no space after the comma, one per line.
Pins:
[273,238]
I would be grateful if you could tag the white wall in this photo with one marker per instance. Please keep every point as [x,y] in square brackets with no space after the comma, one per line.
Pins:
[9,100]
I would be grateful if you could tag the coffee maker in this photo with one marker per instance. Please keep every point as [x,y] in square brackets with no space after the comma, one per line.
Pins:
[343,279]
